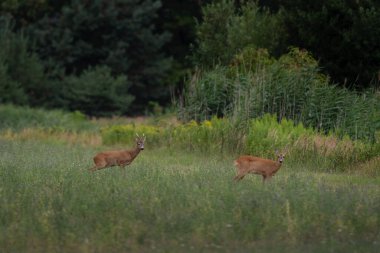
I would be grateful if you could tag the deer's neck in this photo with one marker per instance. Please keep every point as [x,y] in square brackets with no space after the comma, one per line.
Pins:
[278,165]
[134,152]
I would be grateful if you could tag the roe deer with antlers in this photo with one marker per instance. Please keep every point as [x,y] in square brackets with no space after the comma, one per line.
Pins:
[256,165]
[118,157]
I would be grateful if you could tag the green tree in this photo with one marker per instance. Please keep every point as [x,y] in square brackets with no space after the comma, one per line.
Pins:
[119,34]
[96,92]
[22,78]
[343,34]
[179,18]
[26,12]
[226,29]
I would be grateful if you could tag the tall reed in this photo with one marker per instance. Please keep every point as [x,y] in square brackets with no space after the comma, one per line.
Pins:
[291,87]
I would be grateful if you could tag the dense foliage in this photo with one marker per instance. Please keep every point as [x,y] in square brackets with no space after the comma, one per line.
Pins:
[22,79]
[343,34]
[290,87]
[97,92]
[18,118]
[119,34]
[242,79]
[45,44]
[225,30]
[71,38]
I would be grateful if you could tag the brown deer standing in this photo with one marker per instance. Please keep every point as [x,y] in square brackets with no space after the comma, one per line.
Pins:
[256,165]
[118,157]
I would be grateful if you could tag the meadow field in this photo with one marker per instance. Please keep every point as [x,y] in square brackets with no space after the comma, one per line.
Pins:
[205,82]
[170,200]
[179,194]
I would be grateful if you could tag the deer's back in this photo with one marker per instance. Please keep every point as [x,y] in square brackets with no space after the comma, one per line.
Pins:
[256,164]
[113,154]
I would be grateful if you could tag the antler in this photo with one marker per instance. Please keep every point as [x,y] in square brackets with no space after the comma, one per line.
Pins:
[143,137]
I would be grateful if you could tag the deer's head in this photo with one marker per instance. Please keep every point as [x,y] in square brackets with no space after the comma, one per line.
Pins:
[281,156]
[140,141]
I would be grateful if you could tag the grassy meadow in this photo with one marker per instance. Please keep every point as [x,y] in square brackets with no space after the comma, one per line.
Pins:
[173,201]
[179,194]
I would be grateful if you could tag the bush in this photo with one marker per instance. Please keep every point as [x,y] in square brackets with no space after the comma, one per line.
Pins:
[266,135]
[226,30]
[96,92]
[327,152]
[207,96]
[22,78]
[74,36]
[291,87]
[215,135]
[126,134]
[17,118]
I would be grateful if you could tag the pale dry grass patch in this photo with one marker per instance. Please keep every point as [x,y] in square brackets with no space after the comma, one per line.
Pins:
[325,145]
[369,168]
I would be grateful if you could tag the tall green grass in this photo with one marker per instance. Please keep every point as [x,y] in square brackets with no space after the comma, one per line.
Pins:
[291,87]
[172,201]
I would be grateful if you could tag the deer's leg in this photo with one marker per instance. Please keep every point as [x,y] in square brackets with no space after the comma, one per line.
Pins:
[267,178]
[96,167]
[121,164]
[239,176]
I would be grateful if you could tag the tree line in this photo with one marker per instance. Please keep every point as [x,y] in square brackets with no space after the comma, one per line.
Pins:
[106,57]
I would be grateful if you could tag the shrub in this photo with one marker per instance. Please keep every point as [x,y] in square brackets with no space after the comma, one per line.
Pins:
[96,92]
[291,87]
[267,135]
[207,96]
[327,152]
[215,135]
[22,78]
[17,118]
[226,30]
[74,36]
[126,134]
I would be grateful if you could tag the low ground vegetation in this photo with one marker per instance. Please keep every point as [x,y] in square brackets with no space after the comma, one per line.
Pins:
[179,193]
[181,201]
